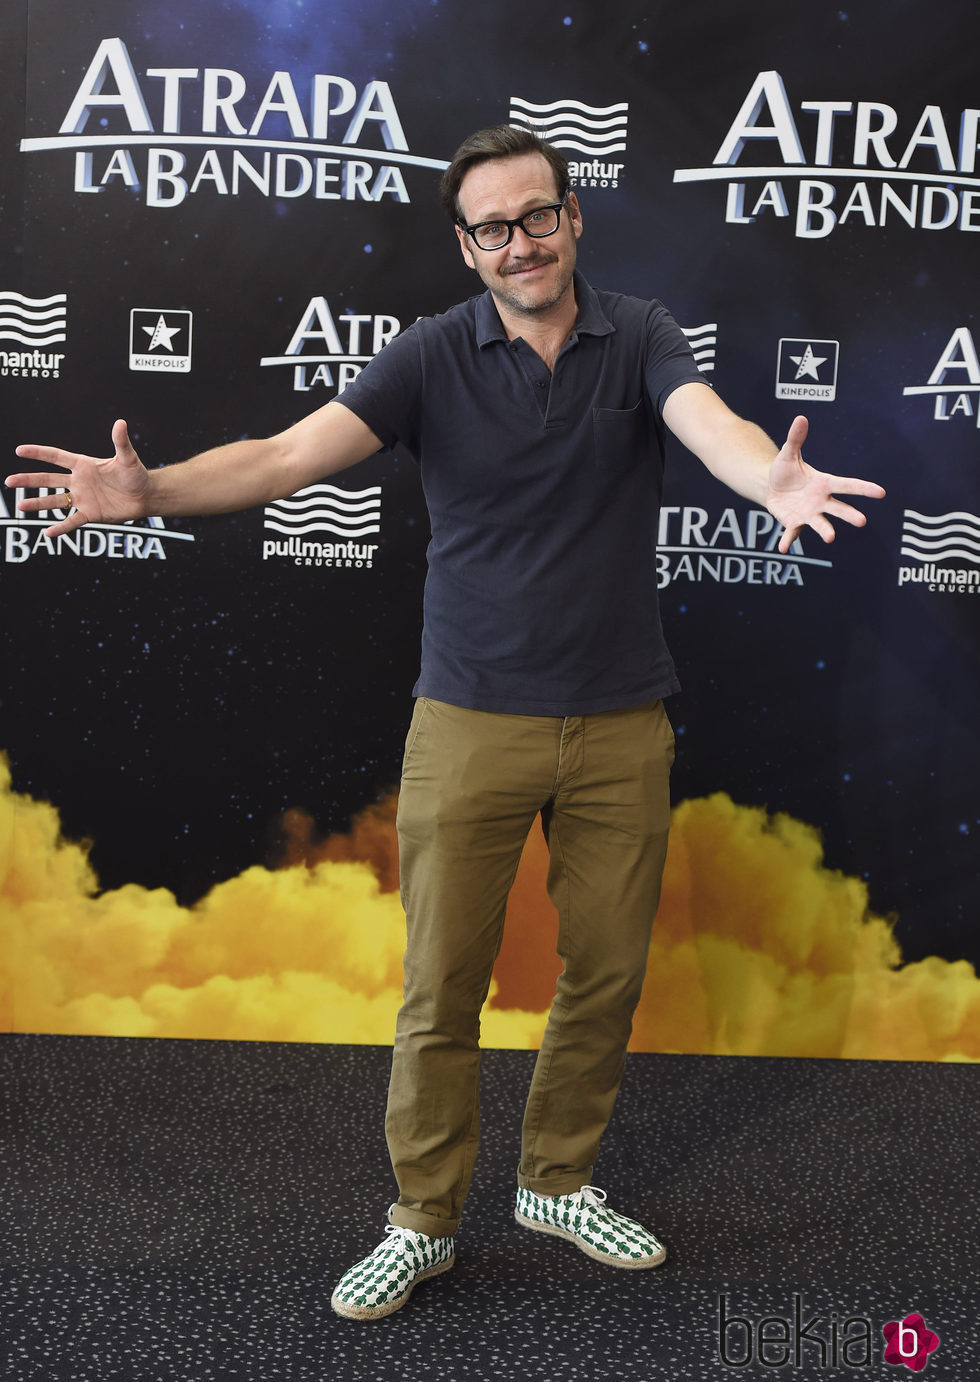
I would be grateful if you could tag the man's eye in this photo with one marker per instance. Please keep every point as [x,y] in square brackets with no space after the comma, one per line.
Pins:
[535,218]
[492,228]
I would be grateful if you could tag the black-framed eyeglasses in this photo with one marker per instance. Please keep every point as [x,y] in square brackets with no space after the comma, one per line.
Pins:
[494,235]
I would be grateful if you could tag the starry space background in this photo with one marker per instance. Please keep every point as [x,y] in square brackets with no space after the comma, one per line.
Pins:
[173,710]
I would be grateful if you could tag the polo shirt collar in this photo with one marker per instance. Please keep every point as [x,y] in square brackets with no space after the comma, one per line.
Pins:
[591,320]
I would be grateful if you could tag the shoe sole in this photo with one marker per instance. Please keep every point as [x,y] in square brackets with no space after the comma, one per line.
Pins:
[378,1312]
[630,1265]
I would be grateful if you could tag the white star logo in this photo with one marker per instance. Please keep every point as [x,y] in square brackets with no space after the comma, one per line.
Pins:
[163,335]
[808,364]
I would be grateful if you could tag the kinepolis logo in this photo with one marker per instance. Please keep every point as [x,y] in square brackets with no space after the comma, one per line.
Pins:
[160,340]
[946,548]
[323,343]
[32,322]
[955,382]
[325,508]
[327,155]
[24,538]
[732,549]
[599,132]
[876,167]
[807,369]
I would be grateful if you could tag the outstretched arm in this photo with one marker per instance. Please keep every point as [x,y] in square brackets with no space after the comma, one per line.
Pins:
[741,455]
[236,476]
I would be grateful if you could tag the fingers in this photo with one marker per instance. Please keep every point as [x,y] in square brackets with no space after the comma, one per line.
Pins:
[820,525]
[67,525]
[80,470]
[823,527]
[846,513]
[837,508]
[47,503]
[43,502]
[120,440]
[797,433]
[38,481]
[848,484]
[788,538]
[67,460]
[47,455]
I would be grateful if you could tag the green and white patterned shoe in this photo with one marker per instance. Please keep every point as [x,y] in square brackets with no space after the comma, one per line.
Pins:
[384,1280]
[597,1230]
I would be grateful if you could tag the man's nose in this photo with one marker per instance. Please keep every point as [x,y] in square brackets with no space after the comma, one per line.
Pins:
[519,248]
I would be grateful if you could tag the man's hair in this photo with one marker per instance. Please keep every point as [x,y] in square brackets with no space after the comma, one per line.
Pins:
[499,141]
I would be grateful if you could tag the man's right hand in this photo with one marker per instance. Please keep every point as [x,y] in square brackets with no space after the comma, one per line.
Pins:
[99,491]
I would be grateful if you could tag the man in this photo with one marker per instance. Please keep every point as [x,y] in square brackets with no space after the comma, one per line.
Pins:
[537,414]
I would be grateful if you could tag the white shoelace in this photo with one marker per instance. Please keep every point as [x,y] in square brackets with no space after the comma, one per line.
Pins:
[400,1239]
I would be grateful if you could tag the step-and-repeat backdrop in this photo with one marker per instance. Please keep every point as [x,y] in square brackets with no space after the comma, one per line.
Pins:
[213,216]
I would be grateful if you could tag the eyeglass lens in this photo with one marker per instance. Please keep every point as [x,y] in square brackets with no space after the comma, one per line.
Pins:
[494,235]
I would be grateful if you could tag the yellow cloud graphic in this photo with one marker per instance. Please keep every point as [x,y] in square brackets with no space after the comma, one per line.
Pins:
[758,949]
[296,954]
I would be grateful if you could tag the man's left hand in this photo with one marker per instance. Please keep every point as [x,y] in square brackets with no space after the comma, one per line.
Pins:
[801,497]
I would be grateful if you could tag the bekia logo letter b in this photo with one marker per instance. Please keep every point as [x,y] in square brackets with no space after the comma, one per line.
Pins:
[909,1342]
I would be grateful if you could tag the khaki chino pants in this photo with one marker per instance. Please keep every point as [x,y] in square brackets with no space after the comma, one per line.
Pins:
[472,784]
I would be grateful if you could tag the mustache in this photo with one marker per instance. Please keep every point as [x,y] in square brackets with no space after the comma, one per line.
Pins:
[517,266]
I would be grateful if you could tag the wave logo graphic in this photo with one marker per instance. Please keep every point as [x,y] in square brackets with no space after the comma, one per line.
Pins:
[941,537]
[33,321]
[703,340]
[570,124]
[324,508]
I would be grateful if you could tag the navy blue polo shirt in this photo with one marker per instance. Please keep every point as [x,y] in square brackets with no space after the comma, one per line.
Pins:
[543,490]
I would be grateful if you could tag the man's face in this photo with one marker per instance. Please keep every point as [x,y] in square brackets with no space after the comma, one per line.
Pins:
[528,276]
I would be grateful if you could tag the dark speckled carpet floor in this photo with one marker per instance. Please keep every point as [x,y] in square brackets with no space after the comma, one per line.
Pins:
[180,1211]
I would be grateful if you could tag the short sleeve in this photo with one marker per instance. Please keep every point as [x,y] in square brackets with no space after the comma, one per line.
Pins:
[670,360]
[386,395]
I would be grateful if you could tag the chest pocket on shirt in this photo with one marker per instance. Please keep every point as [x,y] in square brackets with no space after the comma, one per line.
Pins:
[620,436]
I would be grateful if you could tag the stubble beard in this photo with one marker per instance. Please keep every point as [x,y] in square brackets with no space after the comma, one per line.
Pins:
[525,304]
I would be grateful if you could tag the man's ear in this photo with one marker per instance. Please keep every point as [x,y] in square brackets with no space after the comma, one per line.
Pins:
[464,247]
[574,212]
